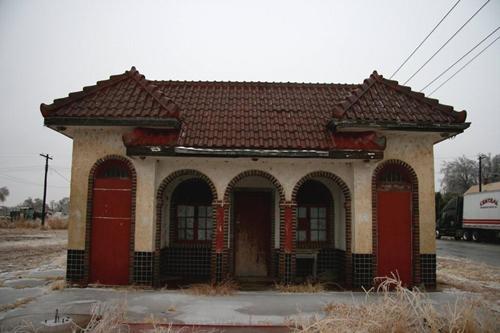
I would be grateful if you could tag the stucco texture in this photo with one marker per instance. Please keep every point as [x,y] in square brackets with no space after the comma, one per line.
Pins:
[91,144]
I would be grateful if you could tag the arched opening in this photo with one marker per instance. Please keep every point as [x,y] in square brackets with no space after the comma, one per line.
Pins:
[315,215]
[111,223]
[395,221]
[191,213]
[185,228]
[253,226]
[321,223]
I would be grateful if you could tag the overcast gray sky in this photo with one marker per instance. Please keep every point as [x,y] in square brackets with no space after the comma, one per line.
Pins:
[50,48]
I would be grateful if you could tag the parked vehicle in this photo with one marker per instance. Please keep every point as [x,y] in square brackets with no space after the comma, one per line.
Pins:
[475,216]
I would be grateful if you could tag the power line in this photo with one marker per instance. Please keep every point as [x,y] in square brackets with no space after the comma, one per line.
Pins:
[466,64]
[26,182]
[449,40]
[462,57]
[60,175]
[422,42]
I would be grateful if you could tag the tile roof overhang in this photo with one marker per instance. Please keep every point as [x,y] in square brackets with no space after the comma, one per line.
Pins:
[384,104]
[253,118]
[127,99]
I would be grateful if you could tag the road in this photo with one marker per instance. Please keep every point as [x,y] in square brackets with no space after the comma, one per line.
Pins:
[477,252]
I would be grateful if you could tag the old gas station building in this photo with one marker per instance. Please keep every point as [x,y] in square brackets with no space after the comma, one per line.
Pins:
[192,181]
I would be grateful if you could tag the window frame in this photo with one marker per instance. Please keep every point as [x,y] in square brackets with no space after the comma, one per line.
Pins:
[308,230]
[196,216]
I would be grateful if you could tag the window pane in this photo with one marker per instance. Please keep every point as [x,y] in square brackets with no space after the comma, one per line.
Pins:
[180,234]
[314,212]
[314,236]
[301,236]
[202,211]
[189,222]
[201,234]
[322,212]
[181,210]
[209,234]
[182,222]
[201,223]
[209,211]
[189,234]
[302,212]
[314,224]
[190,210]
[322,236]
[322,224]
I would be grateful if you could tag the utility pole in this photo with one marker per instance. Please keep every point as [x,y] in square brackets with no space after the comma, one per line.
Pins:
[480,158]
[47,158]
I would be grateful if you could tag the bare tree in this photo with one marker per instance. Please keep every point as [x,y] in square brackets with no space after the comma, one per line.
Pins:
[4,192]
[459,175]
[463,172]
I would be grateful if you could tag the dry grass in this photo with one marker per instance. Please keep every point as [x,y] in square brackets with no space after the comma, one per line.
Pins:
[58,285]
[225,288]
[51,223]
[401,310]
[57,224]
[468,276]
[20,224]
[107,318]
[307,287]
[16,304]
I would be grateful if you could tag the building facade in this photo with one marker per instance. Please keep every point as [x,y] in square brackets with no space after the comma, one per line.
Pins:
[203,181]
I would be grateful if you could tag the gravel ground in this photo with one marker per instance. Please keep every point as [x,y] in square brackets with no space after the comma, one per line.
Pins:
[26,249]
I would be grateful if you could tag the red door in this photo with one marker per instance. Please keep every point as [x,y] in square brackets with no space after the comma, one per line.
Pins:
[110,238]
[394,235]
[252,234]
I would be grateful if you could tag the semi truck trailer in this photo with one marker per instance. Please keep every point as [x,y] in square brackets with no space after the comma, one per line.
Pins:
[473,216]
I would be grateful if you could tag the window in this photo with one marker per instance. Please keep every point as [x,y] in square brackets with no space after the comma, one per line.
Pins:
[194,223]
[191,214]
[113,169]
[312,221]
[314,210]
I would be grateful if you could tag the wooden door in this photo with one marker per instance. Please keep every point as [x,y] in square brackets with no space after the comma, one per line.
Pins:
[394,234]
[252,238]
[111,228]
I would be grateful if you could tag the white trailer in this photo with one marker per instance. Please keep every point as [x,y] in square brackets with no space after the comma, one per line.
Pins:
[481,214]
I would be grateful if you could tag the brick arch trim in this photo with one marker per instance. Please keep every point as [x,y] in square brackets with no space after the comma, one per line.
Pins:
[415,216]
[254,173]
[347,207]
[88,222]
[159,211]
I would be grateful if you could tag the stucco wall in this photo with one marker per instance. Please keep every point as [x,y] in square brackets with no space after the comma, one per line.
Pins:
[90,144]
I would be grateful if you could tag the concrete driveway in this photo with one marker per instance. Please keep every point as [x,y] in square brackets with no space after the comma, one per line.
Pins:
[246,308]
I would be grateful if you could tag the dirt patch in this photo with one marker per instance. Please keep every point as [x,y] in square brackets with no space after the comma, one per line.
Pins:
[24,249]
[469,276]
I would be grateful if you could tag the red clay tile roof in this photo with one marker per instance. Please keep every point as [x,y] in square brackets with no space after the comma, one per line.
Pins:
[128,95]
[382,100]
[253,114]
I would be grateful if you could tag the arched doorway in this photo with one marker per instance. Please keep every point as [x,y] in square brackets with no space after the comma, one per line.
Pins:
[185,228]
[111,223]
[395,234]
[191,213]
[323,224]
[253,225]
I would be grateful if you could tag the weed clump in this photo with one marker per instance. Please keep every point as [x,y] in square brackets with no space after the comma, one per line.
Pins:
[399,309]
[224,288]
